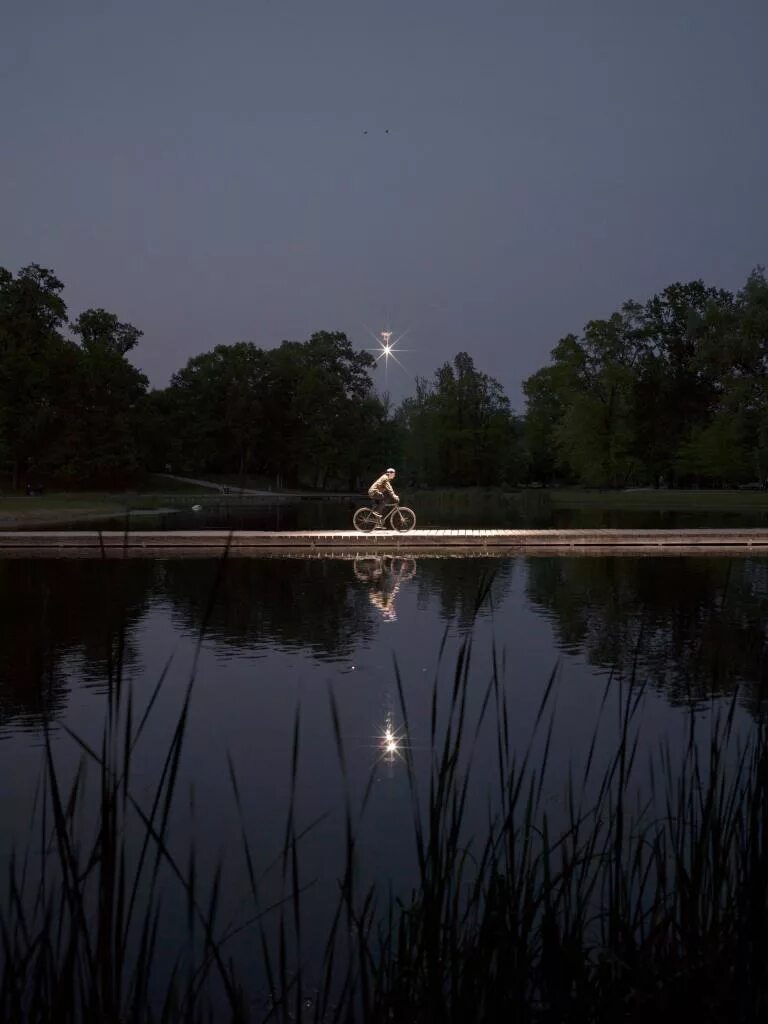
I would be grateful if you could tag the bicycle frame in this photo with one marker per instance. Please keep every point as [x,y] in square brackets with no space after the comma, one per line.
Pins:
[388,509]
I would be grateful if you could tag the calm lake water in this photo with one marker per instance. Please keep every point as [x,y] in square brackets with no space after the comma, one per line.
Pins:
[281,637]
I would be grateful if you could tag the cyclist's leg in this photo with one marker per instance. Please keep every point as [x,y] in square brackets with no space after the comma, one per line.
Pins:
[380,508]
[377,504]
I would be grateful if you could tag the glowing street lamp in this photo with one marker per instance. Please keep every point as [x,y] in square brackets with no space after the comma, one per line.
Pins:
[386,348]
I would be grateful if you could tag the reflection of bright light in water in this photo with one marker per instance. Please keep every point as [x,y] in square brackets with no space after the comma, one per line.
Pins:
[391,741]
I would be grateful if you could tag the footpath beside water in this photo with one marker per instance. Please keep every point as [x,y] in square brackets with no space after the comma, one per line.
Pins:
[115,542]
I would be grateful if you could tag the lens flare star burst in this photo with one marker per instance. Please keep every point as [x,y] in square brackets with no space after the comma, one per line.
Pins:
[391,742]
[387,348]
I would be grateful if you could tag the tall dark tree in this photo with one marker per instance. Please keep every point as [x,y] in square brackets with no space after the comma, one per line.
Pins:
[730,442]
[99,444]
[35,359]
[99,330]
[670,389]
[680,392]
[461,430]
[325,391]
[304,412]
[217,410]
[546,398]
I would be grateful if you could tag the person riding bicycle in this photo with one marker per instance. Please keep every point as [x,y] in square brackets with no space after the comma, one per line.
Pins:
[381,490]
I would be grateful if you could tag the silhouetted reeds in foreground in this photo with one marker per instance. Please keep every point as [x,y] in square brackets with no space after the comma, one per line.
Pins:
[623,912]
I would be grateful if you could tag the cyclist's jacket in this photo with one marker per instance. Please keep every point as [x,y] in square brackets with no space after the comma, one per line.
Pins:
[380,487]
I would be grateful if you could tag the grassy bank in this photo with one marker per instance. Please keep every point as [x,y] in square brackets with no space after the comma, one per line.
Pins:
[50,509]
[57,508]
[629,912]
[60,506]
[577,498]
[661,499]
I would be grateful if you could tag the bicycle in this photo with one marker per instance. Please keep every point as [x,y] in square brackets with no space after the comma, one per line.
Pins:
[398,517]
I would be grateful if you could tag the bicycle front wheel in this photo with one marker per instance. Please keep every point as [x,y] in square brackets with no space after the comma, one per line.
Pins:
[364,520]
[403,520]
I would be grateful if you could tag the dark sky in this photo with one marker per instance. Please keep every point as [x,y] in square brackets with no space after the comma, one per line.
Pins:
[202,168]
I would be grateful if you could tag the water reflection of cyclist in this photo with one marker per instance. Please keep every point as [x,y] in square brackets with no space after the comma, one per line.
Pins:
[384,575]
[381,490]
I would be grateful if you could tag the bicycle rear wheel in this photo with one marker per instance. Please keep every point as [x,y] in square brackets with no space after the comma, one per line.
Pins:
[364,520]
[403,519]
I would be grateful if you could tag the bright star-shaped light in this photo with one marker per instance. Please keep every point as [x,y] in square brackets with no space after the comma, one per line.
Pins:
[391,742]
[386,348]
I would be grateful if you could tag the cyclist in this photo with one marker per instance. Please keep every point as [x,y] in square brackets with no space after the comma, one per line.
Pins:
[381,489]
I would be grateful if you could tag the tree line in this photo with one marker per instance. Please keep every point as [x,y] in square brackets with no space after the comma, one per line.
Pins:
[674,390]
[75,411]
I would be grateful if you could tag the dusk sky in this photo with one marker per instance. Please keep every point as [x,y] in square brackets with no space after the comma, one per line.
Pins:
[489,174]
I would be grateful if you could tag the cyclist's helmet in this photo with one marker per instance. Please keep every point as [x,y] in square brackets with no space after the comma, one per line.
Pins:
[390,470]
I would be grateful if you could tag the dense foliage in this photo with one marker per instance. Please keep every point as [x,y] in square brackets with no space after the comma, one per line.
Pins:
[672,391]
[675,391]
[74,410]
[70,407]
[459,430]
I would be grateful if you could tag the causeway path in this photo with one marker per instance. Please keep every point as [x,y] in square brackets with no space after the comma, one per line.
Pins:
[489,542]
